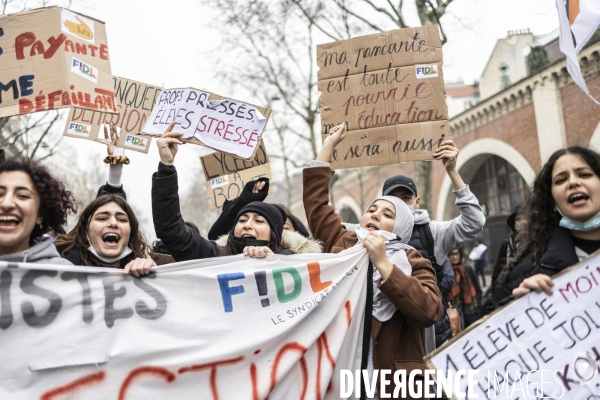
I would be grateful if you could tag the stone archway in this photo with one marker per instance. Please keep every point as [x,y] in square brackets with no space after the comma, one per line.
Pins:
[470,159]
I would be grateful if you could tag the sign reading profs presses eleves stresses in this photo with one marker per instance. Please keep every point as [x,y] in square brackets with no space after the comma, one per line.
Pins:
[53,58]
[227,175]
[389,90]
[205,118]
[134,102]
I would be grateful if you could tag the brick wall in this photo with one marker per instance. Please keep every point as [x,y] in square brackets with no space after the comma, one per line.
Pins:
[581,114]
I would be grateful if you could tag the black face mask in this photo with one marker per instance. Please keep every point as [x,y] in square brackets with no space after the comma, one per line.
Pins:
[240,243]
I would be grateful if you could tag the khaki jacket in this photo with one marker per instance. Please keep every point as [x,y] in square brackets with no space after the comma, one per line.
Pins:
[397,343]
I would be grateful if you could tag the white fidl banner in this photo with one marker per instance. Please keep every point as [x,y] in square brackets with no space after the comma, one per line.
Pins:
[223,328]
[536,347]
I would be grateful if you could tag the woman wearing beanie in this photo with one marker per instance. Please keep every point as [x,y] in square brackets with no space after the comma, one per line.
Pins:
[258,226]
[405,296]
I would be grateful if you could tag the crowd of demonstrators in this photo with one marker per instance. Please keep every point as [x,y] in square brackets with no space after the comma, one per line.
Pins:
[417,267]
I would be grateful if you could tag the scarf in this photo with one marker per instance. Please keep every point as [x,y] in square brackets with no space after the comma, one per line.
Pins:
[463,286]
[395,250]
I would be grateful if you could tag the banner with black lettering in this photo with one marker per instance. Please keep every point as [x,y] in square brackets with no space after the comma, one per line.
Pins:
[226,328]
[537,347]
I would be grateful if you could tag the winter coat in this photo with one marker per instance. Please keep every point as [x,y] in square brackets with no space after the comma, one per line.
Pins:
[73,256]
[397,343]
[560,254]
[291,243]
[42,252]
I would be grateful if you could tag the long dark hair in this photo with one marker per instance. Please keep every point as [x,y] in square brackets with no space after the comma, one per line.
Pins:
[540,210]
[79,235]
[55,200]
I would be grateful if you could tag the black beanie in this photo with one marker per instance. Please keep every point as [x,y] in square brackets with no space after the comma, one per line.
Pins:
[274,215]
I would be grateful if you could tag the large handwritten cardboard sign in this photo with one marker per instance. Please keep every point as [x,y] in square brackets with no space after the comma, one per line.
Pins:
[134,103]
[554,339]
[205,118]
[389,90]
[53,58]
[229,328]
[227,175]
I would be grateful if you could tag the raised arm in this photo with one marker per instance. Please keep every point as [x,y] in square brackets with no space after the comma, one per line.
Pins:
[115,170]
[324,223]
[253,191]
[182,242]
[448,235]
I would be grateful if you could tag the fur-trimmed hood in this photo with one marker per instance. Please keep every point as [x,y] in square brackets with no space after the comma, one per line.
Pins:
[292,241]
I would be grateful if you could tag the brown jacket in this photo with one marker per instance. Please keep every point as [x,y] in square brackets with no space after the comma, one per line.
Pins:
[397,343]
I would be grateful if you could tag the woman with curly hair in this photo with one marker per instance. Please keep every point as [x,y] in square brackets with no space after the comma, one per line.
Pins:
[32,203]
[107,235]
[563,215]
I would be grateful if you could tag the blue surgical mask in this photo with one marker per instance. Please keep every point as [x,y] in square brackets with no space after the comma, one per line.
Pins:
[587,226]
[412,208]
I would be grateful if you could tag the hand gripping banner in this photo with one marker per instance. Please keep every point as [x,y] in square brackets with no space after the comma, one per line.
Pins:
[223,328]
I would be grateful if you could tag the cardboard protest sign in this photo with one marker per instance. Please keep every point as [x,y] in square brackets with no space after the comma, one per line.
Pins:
[538,346]
[134,103]
[53,58]
[239,328]
[389,90]
[205,118]
[227,175]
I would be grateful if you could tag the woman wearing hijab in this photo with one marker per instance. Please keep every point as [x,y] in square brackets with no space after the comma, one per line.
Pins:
[406,297]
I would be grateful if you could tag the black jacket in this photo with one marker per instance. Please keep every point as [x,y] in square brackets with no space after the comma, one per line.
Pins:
[73,256]
[560,254]
[182,241]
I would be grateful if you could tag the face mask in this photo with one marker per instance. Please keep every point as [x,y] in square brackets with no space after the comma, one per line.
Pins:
[240,243]
[588,226]
[411,208]
[125,253]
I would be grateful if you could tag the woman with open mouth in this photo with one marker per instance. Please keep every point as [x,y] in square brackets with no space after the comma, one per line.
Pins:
[107,235]
[406,297]
[563,217]
[32,203]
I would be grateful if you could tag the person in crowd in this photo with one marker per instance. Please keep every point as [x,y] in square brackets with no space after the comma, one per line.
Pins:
[479,256]
[107,235]
[293,223]
[442,328]
[563,223]
[256,230]
[32,203]
[405,297]
[508,248]
[465,295]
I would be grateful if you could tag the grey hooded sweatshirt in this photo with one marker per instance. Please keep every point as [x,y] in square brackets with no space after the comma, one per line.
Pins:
[42,252]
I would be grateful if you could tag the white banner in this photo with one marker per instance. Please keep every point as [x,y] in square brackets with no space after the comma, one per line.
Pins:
[226,328]
[536,347]
[578,20]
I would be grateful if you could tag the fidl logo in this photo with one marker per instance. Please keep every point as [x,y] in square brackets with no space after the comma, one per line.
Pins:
[84,70]
[135,142]
[427,71]
[220,181]
[79,129]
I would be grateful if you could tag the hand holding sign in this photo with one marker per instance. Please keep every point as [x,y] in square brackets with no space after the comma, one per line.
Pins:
[539,283]
[168,145]
[114,137]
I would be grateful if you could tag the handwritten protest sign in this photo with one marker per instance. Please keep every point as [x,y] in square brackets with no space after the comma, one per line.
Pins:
[538,346]
[389,90]
[227,175]
[228,327]
[53,58]
[205,118]
[134,103]
[184,106]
